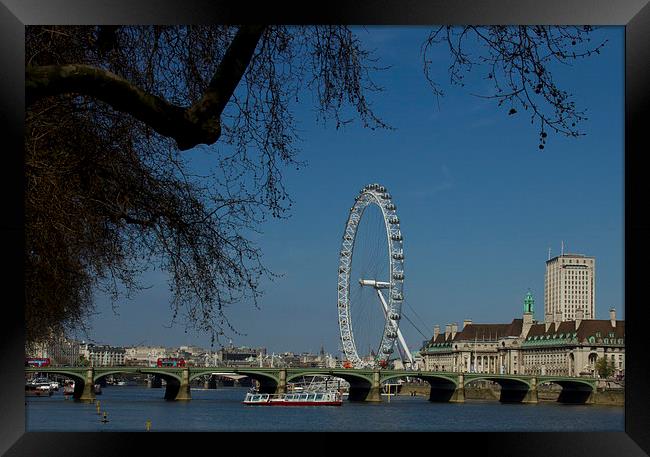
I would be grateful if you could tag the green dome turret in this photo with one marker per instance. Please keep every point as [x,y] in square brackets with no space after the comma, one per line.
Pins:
[529,303]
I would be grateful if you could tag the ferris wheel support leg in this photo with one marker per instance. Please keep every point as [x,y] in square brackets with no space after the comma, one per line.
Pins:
[400,337]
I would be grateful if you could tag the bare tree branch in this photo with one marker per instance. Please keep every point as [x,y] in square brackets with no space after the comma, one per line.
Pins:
[189,127]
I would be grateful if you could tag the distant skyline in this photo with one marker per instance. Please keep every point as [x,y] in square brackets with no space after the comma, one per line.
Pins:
[479,204]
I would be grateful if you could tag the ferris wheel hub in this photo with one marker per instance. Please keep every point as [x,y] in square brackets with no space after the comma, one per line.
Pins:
[374,283]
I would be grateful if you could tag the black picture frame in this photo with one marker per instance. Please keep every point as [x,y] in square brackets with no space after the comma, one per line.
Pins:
[633,14]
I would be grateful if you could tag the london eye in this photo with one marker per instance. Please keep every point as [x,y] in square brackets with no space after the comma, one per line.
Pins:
[371,262]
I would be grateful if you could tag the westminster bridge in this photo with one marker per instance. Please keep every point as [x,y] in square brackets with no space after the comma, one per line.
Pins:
[365,384]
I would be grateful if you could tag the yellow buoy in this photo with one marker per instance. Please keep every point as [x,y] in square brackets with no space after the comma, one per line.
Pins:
[148,424]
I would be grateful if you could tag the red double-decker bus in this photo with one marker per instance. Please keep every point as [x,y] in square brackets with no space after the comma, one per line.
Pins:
[170,362]
[37,362]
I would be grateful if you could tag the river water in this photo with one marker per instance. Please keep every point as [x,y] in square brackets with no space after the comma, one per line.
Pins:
[129,408]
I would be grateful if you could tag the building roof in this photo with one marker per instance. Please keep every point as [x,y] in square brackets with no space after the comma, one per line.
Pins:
[593,331]
[489,332]
[481,332]
[586,329]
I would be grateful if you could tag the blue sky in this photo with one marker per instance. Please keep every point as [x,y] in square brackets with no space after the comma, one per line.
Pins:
[479,205]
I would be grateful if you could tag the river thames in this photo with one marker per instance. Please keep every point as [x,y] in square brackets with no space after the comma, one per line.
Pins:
[211,410]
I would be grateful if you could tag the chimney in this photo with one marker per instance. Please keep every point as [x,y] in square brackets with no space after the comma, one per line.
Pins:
[526,324]
[436,331]
[612,317]
[580,315]
[447,330]
[454,329]
[466,322]
[548,320]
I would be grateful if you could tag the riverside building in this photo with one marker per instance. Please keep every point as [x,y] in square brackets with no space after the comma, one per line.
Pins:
[525,346]
[569,286]
[145,356]
[103,355]
[572,348]
[59,349]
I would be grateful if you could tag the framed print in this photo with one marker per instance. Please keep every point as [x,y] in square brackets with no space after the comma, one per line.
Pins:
[435,153]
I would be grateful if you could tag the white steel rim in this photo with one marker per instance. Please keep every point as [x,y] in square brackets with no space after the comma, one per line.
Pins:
[378,195]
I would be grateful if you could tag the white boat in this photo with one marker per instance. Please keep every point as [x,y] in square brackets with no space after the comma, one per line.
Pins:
[328,398]
[33,390]
[40,384]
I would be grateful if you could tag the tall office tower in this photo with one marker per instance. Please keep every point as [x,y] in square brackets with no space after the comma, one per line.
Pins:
[569,286]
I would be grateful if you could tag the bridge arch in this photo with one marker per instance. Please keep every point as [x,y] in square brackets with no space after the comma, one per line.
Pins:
[573,390]
[502,381]
[513,389]
[199,374]
[347,376]
[269,382]
[430,378]
[361,384]
[165,375]
[213,377]
[444,388]
[75,376]
[174,380]
[78,378]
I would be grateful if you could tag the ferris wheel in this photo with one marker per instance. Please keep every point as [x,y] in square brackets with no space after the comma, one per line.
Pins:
[391,280]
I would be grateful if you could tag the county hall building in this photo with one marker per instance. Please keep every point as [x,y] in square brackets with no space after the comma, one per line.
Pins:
[567,343]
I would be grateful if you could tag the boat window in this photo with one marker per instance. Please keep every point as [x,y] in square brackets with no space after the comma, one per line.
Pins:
[304,396]
[319,396]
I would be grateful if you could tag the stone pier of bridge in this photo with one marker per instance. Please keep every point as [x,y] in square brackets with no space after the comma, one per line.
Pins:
[85,391]
[184,393]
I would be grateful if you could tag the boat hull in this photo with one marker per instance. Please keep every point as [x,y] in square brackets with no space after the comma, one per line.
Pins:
[38,393]
[293,403]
